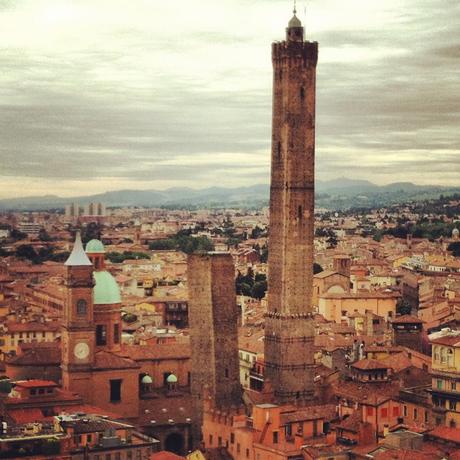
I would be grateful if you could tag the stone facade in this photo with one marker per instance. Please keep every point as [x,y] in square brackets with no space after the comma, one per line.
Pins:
[213,333]
[289,329]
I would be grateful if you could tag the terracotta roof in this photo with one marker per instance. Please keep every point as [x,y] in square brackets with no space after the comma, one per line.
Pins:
[40,356]
[446,433]
[326,412]
[372,393]
[407,319]
[369,364]
[35,383]
[108,360]
[450,340]
[351,423]
[28,415]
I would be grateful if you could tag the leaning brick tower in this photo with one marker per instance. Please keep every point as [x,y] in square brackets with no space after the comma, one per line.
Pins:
[289,325]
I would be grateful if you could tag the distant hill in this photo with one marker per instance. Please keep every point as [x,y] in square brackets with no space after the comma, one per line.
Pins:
[341,193]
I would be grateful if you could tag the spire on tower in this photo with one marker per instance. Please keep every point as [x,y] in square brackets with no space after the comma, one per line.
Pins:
[295,21]
[78,255]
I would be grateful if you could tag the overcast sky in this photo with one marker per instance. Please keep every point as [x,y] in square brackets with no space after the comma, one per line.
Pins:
[100,95]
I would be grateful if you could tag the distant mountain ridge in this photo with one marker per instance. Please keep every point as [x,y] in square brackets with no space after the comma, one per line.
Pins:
[338,193]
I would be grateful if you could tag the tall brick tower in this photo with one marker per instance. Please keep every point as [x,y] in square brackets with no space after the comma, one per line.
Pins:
[289,326]
[213,318]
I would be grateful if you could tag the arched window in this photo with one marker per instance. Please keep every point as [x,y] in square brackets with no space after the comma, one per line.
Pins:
[443,355]
[450,357]
[436,353]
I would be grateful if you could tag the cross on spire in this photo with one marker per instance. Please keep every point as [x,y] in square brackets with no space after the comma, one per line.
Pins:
[295,6]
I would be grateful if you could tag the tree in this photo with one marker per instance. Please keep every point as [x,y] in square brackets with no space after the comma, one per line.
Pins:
[43,235]
[454,248]
[403,307]
[91,232]
[26,251]
[259,289]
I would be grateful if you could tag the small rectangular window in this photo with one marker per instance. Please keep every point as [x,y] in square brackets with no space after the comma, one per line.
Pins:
[116,333]
[101,335]
[115,390]
[275,437]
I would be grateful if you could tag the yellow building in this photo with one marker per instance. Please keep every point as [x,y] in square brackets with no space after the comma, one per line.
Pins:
[339,306]
[15,333]
[446,377]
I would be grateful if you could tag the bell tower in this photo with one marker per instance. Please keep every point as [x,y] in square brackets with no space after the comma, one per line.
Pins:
[78,334]
[289,325]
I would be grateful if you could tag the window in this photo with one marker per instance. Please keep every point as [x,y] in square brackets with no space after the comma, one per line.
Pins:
[115,390]
[415,414]
[275,437]
[247,453]
[238,448]
[439,384]
[232,438]
[302,93]
[453,385]
[116,333]
[288,430]
[81,307]
[219,441]
[395,411]
[101,335]
[88,438]
[452,405]
[226,373]
[384,412]
[426,416]
[369,411]
[405,411]
[210,439]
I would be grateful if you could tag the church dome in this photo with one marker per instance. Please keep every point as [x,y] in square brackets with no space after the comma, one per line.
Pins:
[171,378]
[294,22]
[106,290]
[95,246]
[146,380]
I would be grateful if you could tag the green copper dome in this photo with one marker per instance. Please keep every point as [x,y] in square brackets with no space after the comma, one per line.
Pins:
[171,378]
[94,246]
[106,290]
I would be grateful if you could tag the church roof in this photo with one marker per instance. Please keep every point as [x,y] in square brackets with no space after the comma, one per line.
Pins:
[78,257]
[294,22]
[95,246]
[106,290]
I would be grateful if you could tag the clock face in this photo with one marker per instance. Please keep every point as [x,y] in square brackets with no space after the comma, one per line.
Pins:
[81,350]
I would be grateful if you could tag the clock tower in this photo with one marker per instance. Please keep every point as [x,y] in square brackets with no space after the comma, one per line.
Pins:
[78,332]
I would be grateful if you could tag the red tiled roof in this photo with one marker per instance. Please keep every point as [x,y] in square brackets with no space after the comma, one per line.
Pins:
[326,412]
[109,360]
[450,340]
[407,319]
[40,356]
[446,433]
[369,364]
[29,415]
[35,383]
